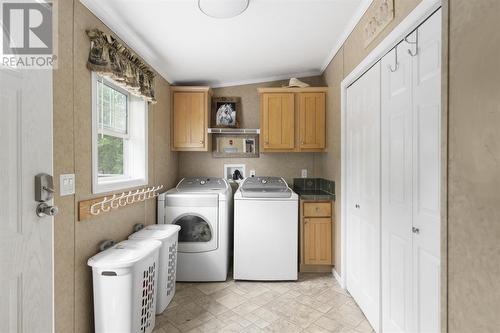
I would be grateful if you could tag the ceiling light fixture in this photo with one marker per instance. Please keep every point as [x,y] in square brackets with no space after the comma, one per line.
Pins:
[223,8]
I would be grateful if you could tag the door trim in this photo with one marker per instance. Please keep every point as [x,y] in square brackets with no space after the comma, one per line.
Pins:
[423,11]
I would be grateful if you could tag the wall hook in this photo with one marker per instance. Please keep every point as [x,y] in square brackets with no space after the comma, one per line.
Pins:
[413,43]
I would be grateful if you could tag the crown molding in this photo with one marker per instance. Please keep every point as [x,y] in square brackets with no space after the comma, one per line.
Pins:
[145,51]
[362,8]
[126,36]
[265,79]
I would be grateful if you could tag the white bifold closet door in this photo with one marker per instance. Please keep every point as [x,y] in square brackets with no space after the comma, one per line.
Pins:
[363,195]
[410,196]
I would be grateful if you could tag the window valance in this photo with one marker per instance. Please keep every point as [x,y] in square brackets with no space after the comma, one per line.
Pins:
[111,58]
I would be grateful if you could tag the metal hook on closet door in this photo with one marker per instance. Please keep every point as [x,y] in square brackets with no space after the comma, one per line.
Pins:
[413,43]
[397,63]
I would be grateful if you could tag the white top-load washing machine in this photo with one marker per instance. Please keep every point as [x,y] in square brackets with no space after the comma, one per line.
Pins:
[202,207]
[265,230]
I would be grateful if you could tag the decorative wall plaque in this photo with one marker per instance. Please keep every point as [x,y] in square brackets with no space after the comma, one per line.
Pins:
[382,15]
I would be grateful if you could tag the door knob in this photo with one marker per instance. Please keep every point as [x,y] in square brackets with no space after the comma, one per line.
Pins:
[415,230]
[43,209]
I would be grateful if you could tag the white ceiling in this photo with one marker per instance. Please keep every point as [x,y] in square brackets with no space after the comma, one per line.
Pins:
[272,39]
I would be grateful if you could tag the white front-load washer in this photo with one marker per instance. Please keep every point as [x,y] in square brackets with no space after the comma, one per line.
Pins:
[265,230]
[202,207]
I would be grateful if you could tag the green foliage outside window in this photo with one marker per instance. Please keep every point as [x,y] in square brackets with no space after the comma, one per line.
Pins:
[110,159]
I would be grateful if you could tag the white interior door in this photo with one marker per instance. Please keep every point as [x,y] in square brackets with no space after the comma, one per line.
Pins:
[396,186]
[26,241]
[427,175]
[363,193]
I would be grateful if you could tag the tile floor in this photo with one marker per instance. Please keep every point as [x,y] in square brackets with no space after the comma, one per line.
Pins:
[315,303]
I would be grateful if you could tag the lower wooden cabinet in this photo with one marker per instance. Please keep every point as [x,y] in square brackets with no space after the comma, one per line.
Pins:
[316,236]
[317,241]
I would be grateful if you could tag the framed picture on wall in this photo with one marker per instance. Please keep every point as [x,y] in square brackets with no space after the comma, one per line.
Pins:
[225,111]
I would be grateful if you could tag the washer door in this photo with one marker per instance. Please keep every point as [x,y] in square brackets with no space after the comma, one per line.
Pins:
[197,215]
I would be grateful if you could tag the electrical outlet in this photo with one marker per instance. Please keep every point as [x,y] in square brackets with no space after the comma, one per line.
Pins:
[304,173]
[252,173]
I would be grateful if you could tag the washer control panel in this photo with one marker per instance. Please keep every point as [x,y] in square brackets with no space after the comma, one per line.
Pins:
[202,183]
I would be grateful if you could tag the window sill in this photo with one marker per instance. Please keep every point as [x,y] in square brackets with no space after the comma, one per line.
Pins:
[121,184]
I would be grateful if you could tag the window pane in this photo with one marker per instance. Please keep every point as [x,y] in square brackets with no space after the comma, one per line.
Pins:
[110,156]
[112,108]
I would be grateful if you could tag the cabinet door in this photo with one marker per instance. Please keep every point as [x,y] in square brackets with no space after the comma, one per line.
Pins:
[317,241]
[312,120]
[278,120]
[190,114]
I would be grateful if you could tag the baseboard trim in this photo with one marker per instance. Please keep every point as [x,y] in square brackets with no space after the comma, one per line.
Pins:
[337,277]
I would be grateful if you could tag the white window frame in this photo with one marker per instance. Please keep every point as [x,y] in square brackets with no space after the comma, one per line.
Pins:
[132,176]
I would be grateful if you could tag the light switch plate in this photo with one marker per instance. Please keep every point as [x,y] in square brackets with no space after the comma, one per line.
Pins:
[67,184]
[304,173]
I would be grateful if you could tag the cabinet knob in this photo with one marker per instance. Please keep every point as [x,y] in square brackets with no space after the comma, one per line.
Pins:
[201,141]
[415,230]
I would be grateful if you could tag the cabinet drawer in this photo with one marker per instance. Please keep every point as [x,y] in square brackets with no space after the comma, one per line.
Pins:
[317,209]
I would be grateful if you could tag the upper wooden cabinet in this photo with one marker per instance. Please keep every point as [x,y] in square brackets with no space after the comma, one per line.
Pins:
[311,120]
[278,121]
[293,119]
[190,118]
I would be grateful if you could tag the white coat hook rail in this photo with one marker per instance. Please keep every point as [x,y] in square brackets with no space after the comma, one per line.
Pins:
[94,207]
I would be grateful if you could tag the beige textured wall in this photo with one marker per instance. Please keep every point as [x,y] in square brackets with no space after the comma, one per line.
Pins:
[64,162]
[76,241]
[287,165]
[346,59]
[474,166]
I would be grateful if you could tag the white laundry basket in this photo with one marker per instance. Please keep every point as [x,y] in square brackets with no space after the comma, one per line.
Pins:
[168,235]
[125,279]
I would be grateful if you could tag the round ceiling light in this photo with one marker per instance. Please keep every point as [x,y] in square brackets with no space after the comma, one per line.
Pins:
[223,8]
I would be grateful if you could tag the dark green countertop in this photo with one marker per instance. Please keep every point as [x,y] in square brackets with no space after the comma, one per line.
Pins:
[315,195]
[314,189]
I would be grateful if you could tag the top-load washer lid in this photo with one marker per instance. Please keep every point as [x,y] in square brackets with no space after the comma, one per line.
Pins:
[197,184]
[265,187]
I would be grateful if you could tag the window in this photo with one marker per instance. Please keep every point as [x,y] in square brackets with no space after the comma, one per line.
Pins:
[119,137]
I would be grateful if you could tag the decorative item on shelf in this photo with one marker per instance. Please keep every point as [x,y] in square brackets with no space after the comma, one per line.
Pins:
[239,145]
[93,207]
[296,83]
[225,111]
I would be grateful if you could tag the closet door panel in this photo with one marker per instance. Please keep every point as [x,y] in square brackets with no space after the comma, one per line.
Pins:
[353,185]
[396,190]
[426,175]
[363,225]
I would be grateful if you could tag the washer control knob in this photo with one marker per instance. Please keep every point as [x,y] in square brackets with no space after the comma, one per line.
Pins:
[203,182]
[264,181]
